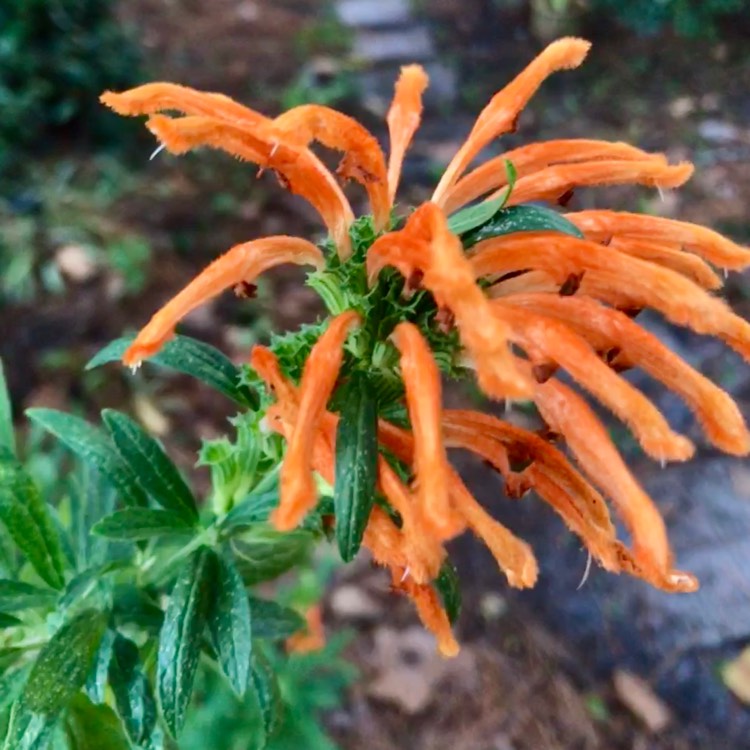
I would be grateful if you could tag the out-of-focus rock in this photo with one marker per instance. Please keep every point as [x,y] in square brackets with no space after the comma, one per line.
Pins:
[640,699]
[350,602]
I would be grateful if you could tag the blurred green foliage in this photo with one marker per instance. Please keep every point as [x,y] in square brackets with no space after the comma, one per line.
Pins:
[690,18]
[68,206]
[56,57]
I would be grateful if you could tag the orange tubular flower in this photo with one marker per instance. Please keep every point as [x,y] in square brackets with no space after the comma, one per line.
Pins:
[535,156]
[515,294]
[298,494]
[422,382]
[242,264]
[403,119]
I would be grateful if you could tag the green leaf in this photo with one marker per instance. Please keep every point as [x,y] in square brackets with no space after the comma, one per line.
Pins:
[474,216]
[449,588]
[7,436]
[28,730]
[266,554]
[96,682]
[523,218]
[229,624]
[356,465]
[132,691]
[142,523]
[94,447]
[156,473]
[26,517]
[192,357]
[94,727]
[272,621]
[8,621]
[180,637]
[16,596]
[61,668]
[267,690]
[81,585]
[255,508]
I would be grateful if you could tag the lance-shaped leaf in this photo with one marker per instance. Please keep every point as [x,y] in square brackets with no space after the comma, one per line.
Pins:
[524,218]
[94,727]
[7,437]
[27,519]
[267,690]
[134,698]
[192,357]
[157,475]
[94,447]
[28,730]
[229,624]
[449,588]
[63,664]
[265,554]
[475,216]
[142,523]
[356,465]
[273,621]
[15,596]
[180,637]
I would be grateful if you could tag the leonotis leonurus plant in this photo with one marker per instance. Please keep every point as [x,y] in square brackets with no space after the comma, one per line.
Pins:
[504,291]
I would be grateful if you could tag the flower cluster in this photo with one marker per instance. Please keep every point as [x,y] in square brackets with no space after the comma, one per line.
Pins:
[483,289]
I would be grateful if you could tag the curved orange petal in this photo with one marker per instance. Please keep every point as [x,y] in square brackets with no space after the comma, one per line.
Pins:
[160,97]
[423,398]
[549,474]
[554,182]
[298,493]
[628,280]
[545,338]
[515,557]
[243,263]
[535,156]
[403,119]
[300,170]
[710,245]
[717,412]
[431,613]
[567,413]
[266,364]
[669,255]
[363,158]
[501,113]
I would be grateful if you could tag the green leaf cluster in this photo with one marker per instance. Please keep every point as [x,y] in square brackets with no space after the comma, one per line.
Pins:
[120,591]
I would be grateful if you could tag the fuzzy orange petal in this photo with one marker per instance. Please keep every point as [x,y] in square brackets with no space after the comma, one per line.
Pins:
[423,398]
[299,169]
[552,183]
[501,113]
[515,557]
[669,255]
[160,97]
[363,158]
[243,263]
[710,245]
[403,119]
[545,338]
[718,414]
[298,493]
[567,413]
[431,613]
[549,474]
[536,156]
[624,280]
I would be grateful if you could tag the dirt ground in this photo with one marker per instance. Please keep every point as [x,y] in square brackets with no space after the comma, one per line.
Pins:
[515,686]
